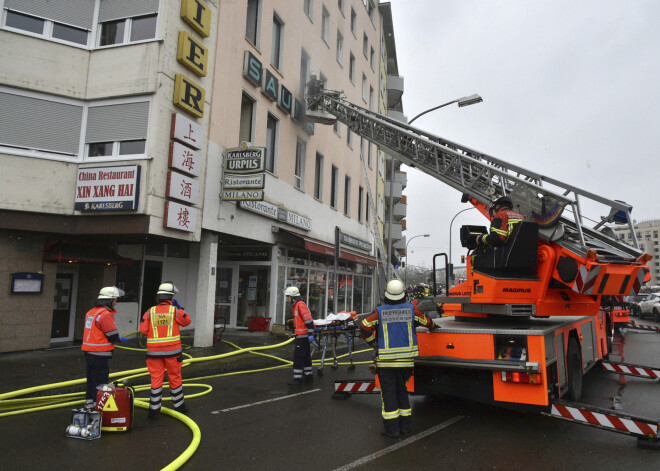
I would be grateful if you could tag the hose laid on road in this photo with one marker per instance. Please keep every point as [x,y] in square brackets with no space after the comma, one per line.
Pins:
[19,406]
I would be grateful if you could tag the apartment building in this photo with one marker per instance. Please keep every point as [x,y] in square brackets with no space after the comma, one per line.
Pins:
[648,238]
[124,116]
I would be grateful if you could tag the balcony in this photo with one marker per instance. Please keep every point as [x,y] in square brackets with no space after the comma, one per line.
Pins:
[401,177]
[400,246]
[400,210]
[394,88]
[398,116]
[397,231]
[395,188]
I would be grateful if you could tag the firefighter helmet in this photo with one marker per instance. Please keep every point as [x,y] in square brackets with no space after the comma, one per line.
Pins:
[395,290]
[167,288]
[501,201]
[292,291]
[110,292]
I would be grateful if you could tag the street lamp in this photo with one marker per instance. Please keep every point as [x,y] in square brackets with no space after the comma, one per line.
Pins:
[450,224]
[405,272]
[465,101]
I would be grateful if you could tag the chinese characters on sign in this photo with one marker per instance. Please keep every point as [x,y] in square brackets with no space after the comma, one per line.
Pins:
[179,216]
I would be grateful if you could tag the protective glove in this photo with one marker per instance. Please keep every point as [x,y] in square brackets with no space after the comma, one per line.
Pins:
[311,339]
[373,369]
[176,303]
[123,339]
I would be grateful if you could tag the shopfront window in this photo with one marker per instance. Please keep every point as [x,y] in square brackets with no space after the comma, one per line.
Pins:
[317,290]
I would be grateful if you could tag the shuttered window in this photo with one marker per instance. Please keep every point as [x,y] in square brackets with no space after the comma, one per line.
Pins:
[39,124]
[121,122]
[120,9]
[79,13]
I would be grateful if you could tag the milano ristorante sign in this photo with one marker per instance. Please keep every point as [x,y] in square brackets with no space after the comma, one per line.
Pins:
[243,177]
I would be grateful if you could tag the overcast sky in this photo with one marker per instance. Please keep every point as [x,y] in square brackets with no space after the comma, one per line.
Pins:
[571,90]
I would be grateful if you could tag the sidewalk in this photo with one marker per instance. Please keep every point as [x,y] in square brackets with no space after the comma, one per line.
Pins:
[20,370]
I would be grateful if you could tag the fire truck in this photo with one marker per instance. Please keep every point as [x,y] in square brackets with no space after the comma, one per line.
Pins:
[533,316]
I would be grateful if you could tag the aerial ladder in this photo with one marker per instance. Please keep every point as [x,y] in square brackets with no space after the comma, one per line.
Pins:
[533,316]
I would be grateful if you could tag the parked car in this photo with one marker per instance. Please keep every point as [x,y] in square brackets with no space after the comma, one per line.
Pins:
[650,306]
[633,303]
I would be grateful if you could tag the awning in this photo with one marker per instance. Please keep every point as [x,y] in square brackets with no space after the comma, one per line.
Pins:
[326,248]
[75,251]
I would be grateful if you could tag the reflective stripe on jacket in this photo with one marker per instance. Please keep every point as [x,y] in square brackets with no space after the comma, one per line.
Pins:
[99,324]
[501,226]
[396,335]
[161,326]
[303,324]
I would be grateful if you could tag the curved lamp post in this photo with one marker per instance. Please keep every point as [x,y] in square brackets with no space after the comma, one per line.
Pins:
[465,101]
[405,272]
[450,224]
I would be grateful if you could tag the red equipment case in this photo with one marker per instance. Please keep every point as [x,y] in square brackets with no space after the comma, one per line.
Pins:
[115,401]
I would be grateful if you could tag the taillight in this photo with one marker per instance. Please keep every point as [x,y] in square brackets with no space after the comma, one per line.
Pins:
[519,377]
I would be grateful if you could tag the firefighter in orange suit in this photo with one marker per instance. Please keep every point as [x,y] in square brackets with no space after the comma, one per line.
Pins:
[303,326]
[503,219]
[98,337]
[161,326]
[391,331]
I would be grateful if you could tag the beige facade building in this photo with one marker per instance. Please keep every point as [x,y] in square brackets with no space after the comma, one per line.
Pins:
[115,157]
[648,238]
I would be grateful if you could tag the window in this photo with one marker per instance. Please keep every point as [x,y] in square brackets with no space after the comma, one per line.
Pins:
[372,57]
[299,176]
[340,47]
[336,128]
[333,187]
[127,30]
[49,29]
[353,22]
[117,129]
[365,45]
[362,146]
[340,4]
[371,98]
[371,10]
[364,88]
[304,71]
[347,195]
[308,8]
[245,131]
[325,25]
[351,68]
[59,124]
[252,22]
[366,209]
[318,177]
[360,198]
[369,160]
[276,47]
[271,142]
[349,137]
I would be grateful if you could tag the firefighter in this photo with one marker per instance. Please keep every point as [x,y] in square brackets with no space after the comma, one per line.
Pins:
[503,219]
[98,337]
[303,326]
[390,329]
[161,326]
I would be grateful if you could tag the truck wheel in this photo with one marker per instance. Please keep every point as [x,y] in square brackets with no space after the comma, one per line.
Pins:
[574,366]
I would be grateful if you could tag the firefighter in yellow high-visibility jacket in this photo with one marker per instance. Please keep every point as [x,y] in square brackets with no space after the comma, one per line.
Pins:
[391,331]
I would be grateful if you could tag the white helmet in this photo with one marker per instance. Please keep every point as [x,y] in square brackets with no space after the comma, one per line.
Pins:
[395,290]
[110,292]
[167,288]
[292,291]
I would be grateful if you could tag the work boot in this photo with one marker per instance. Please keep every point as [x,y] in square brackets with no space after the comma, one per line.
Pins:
[309,378]
[389,433]
[153,415]
[295,382]
[183,408]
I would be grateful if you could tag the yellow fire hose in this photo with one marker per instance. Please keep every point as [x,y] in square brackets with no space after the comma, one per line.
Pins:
[41,403]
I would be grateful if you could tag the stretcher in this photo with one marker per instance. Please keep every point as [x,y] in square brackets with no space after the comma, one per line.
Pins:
[342,324]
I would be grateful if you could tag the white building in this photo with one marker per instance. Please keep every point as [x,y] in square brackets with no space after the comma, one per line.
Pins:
[649,242]
[113,159]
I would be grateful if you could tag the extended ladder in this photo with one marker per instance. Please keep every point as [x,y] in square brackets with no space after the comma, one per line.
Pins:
[482,177]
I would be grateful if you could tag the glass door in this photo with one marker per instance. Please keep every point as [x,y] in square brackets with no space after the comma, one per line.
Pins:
[253,293]
[225,299]
[64,307]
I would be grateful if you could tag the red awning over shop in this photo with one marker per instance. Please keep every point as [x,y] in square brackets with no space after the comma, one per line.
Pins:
[74,251]
[325,248]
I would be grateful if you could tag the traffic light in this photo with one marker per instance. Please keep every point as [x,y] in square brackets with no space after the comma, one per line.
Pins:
[462,258]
